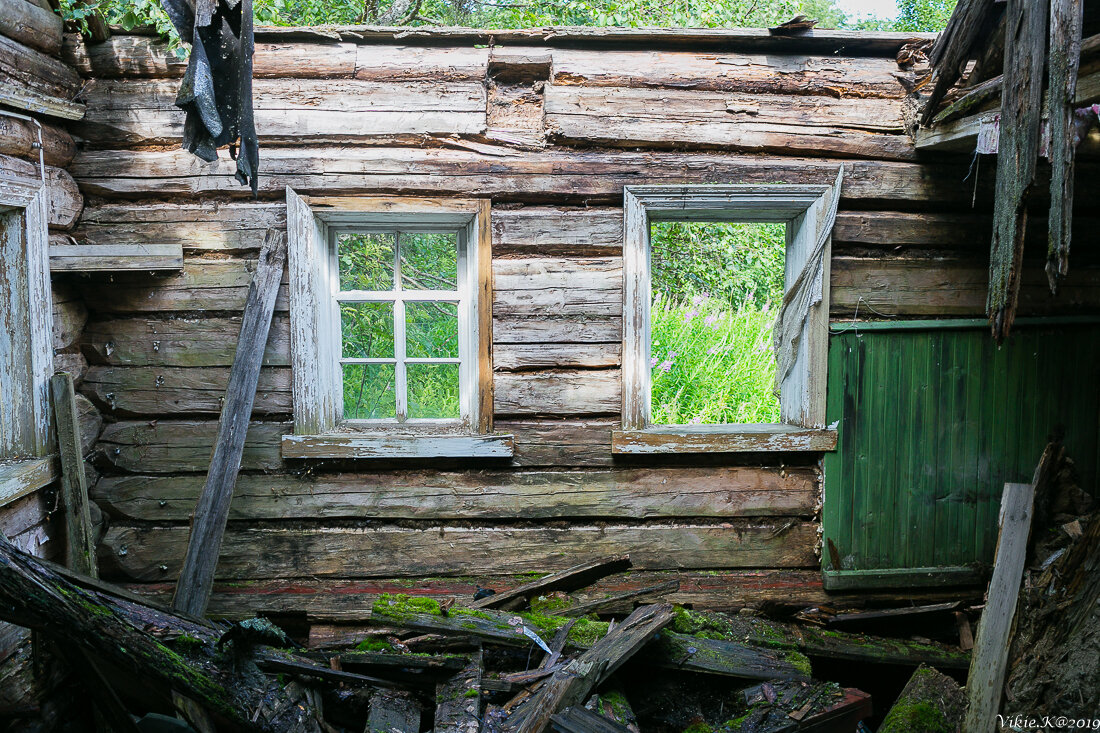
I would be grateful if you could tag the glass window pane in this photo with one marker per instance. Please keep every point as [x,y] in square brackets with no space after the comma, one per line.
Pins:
[433,391]
[369,391]
[431,330]
[716,291]
[367,330]
[429,261]
[366,261]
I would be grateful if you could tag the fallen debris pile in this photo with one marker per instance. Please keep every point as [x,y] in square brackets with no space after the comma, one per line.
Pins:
[431,664]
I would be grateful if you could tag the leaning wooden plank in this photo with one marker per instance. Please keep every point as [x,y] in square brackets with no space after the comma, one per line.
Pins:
[212,511]
[583,609]
[569,579]
[154,554]
[952,49]
[80,544]
[1017,157]
[115,257]
[27,23]
[985,683]
[1066,19]
[572,685]
[458,700]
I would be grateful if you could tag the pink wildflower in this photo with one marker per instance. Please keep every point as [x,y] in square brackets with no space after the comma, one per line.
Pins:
[711,319]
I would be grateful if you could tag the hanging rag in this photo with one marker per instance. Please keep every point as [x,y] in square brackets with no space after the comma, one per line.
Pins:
[804,292]
[216,91]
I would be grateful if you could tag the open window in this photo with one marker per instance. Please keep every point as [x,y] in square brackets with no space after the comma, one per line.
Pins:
[390,329]
[26,353]
[726,318]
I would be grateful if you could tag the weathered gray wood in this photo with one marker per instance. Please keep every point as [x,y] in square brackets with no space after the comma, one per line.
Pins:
[23,21]
[64,201]
[392,711]
[546,231]
[558,392]
[509,356]
[20,478]
[154,554]
[572,578]
[115,257]
[19,138]
[80,544]
[720,491]
[1066,19]
[35,82]
[617,599]
[1026,26]
[561,442]
[180,391]
[576,719]
[952,50]
[69,315]
[225,226]
[572,685]
[171,446]
[458,700]
[723,439]
[192,341]
[391,444]
[985,683]
[212,509]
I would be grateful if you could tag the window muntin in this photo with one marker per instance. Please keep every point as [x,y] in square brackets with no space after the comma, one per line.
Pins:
[404,308]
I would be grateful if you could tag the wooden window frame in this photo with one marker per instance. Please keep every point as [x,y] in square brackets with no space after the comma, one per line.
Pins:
[319,431]
[802,209]
[30,467]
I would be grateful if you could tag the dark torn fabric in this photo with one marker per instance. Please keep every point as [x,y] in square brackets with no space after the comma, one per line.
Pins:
[216,91]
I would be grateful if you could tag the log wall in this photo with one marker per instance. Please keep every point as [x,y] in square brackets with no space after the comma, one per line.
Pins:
[550,128]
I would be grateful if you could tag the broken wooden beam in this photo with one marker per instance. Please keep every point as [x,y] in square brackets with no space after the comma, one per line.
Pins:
[569,579]
[212,512]
[614,599]
[80,544]
[458,700]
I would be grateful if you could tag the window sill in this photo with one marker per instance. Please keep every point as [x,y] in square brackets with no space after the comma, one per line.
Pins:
[22,477]
[723,439]
[397,445]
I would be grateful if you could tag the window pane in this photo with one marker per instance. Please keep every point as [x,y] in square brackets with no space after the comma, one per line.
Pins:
[367,330]
[716,291]
[433,391]
[366,261]
[369,391]
[429,261]
[431,330]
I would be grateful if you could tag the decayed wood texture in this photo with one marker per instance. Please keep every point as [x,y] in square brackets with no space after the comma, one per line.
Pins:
[569,579]
[144,112]
[953,48]
[63,200]
[35,82]
[1066,19]
[17,137]
[748,440]
[229,227]
[212,509]
[80,544]
[502,173]
[396,446]
[544,231]
[985,684]
[498,495]
[188,341]
[154,554]
[168,446]
[26,22]
[791,74]
[115,257]
[815,126]
[1017,157]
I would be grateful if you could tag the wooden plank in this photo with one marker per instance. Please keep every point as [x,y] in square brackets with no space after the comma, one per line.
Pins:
[1066,19]
[953,48]
[19,138]
[36,71]
[223,226]
[597,606]
[80,543]
[558,392]
[747,73]
[552,175]
[115,258]
[561,442]
[180,391]
[630,493]
[569,579]
[21,478]
[153,554]
[572,685]
[28,23]
[391,444]
[144,112]
[576,719]
[531,287]
[1026,33]
[557,231]
[458,700]
[552,329]
[722,439]
[393,711]
[985,684]
[619,117]
[212,509]
[508,356]
[170,446]
[177,342]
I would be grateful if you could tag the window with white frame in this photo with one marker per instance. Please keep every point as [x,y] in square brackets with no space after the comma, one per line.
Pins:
[774,332]
[390,328]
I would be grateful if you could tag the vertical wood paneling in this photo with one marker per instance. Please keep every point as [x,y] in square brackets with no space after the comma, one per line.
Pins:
[934,422]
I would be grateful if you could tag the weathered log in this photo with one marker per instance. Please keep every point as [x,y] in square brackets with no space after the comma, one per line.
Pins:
[154,553]
[164,446]
[953,48]
[557,392]
[183,342]
[23,21]
[18,138]
[80,543]
[37,83]
[231,227]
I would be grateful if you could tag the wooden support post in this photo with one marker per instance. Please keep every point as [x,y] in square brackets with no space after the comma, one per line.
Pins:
[985,684]
[80,545]
[1066,19]
[1021,111]
[212,512]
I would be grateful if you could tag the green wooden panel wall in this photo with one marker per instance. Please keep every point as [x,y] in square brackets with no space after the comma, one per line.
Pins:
[934,418]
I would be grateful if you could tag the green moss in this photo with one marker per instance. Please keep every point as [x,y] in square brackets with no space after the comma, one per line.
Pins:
[472,692]
[800,662]
[736,723]
[620,708]
[462,611]
[545,604]
[699,727]
[188,641]
[402,606]
[374,645]
[908,716]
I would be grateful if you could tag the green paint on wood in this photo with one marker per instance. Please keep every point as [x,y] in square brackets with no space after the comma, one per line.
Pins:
[933,422]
